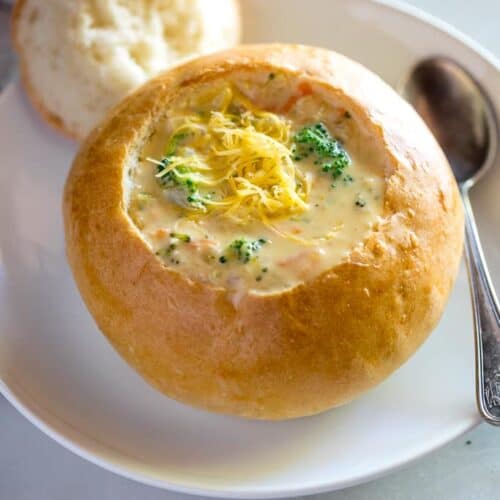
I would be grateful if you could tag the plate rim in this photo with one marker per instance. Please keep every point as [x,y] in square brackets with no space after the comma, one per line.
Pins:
[231,493]
[81,450]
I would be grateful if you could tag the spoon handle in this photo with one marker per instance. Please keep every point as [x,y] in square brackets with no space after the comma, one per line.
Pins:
[486,321]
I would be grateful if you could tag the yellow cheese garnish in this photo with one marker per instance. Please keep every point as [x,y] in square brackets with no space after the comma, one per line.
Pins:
[241,158]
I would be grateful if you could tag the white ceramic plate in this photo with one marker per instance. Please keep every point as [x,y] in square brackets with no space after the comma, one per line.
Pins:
[59,371]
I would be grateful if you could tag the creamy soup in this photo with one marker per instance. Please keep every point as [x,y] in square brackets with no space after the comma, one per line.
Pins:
[255,184]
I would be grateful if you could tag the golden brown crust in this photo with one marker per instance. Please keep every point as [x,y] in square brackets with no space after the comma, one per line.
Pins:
[50,118]
[288,354]
[55,121]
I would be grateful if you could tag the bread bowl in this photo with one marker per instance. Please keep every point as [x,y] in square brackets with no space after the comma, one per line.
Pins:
[79,58]
[207,277]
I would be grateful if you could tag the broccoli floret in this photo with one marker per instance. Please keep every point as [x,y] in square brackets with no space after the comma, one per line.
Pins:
[179,177]
[181,237]
[330,153]
[243,249]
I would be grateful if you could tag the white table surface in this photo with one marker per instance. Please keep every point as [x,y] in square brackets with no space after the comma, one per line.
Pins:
[32,467]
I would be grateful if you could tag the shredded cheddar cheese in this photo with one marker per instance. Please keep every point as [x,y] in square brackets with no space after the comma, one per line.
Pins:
[240,159]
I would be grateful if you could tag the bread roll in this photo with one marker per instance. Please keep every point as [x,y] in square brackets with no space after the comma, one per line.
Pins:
[266,232]
[80,57]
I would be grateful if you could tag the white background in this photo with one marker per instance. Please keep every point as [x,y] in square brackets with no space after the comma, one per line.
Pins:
[32,467]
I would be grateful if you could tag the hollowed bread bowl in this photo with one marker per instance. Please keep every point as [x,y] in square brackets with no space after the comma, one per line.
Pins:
[289,348]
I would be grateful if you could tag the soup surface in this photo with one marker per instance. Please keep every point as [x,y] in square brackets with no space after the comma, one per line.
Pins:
[255,183]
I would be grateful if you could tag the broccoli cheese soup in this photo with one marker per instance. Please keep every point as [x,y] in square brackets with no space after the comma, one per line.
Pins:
[255,185]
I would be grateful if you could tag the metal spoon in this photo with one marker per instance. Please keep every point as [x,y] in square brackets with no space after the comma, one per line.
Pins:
[462,119]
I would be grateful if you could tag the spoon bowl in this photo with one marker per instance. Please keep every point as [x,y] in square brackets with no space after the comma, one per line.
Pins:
[458,113]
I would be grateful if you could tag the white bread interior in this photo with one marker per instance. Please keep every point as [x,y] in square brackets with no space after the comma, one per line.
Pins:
[80,57]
